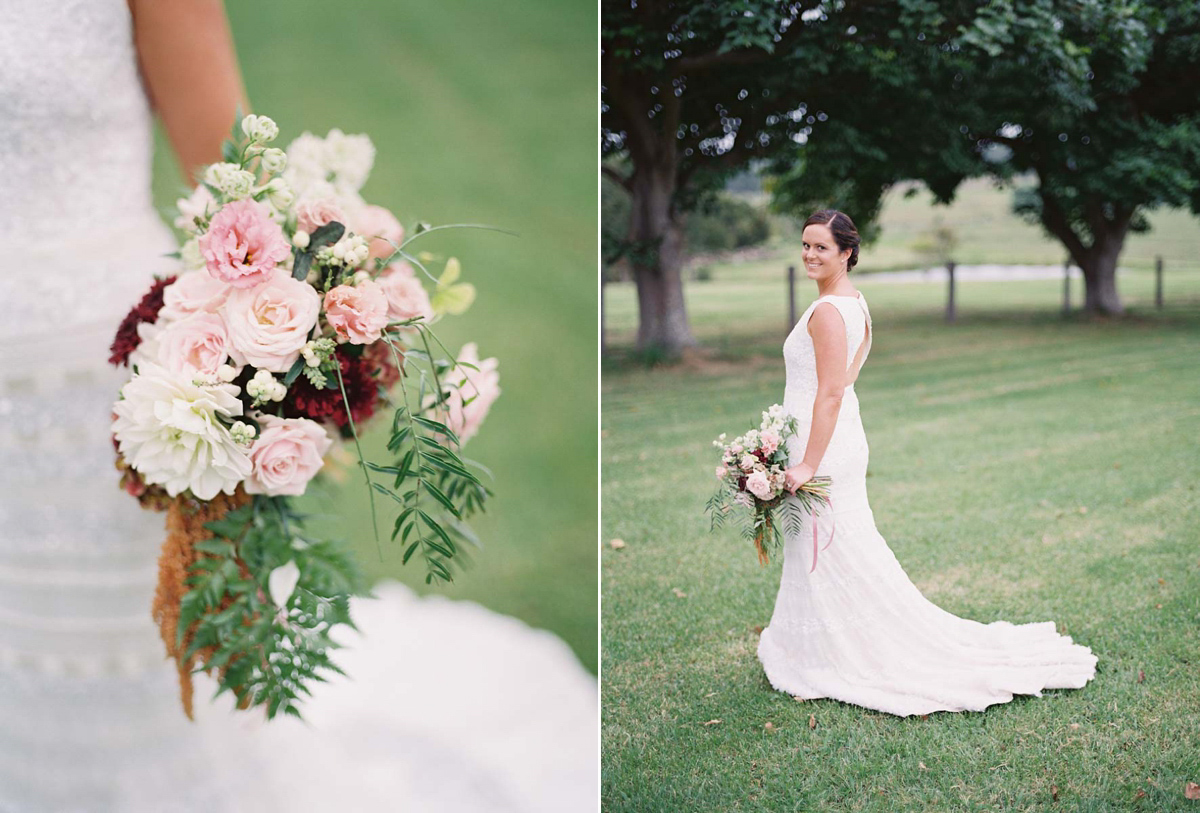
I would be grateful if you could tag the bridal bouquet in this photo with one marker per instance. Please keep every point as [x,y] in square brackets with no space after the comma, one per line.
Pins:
[297,315]
[751,476]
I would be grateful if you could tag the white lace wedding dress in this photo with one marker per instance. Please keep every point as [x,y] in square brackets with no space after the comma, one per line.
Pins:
[856,629]
[449,707]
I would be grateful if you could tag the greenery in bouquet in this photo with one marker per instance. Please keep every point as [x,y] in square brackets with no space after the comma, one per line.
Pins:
[298,314]
[752,477]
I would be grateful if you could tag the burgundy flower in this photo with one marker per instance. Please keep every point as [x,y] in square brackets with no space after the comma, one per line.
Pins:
[364,375]
[127,338]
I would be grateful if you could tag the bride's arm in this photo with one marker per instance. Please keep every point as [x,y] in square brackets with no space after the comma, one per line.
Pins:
[829,342]
[191,73]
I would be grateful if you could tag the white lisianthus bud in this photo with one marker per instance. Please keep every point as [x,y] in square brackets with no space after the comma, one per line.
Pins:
[273,160]
[279,193]
[227,372]
[301,239]
[260,129]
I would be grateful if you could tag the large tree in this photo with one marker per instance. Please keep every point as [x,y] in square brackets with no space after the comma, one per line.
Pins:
[1098,99]
[693,91]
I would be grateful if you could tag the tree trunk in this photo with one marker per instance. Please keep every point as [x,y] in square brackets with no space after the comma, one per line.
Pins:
[1100,277]
[1097,261]
[1099,266]
[656,231]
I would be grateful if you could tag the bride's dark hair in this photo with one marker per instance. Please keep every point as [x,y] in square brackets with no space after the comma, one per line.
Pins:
[844,232]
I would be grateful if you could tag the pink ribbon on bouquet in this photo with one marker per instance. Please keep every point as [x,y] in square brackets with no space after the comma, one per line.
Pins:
[832,531]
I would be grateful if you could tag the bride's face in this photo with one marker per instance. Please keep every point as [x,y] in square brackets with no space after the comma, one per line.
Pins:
[822,259]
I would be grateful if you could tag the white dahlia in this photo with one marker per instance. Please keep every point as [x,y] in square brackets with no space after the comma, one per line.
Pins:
[171,431]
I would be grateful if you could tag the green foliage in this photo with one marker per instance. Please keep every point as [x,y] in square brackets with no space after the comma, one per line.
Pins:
[434,488]
[266,655]
[723,223]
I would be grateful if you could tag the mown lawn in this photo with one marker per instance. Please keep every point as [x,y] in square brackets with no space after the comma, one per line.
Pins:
[480,113]
[1023,467]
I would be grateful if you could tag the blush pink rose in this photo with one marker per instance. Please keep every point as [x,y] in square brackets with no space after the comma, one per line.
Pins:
[269,323]
[481,387]
[196,344]
[405,294]
[243,244]
[191,293]
[357,313]
[759,485]
[285,456]
[313,214]
[379,226]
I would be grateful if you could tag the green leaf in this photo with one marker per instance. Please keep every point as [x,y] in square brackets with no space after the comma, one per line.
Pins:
[443,499]
[325,235]
[408,553]
[301,263]
[294,371]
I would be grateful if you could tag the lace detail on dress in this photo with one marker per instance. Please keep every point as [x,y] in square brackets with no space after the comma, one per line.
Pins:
[856,629]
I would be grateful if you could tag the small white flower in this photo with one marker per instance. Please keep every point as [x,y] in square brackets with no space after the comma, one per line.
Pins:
[242,433]
[228,372]
[301,239]
[233,181]
[260,129]
[273,160]
[190,256]
[282,581]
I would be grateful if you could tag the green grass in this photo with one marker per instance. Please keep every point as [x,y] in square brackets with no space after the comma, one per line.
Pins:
[1023,467]
[480,113]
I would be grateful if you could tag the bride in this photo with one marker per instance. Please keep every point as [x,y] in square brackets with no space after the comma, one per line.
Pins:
[448,706]
[848,623]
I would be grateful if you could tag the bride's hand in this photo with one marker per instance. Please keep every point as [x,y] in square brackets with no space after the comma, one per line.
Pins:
[797,476]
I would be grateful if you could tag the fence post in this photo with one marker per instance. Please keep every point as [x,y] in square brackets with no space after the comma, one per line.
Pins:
[1158,274]
[1067,287]
[950,300]
[791,297]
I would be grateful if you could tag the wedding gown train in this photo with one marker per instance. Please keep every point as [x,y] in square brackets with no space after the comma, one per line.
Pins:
[448,706]
[856,629]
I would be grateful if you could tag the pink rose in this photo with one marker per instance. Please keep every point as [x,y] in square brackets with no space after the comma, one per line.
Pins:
[481,387]
[286,456]
[770,442]
[270,323]
[196,344]
[191,293]
[357,313]
[313,214]
[748,462]
[405,294]
[379,226]
[243,244]
[759,485]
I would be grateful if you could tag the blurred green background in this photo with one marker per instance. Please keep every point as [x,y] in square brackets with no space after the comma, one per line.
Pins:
[480,113]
